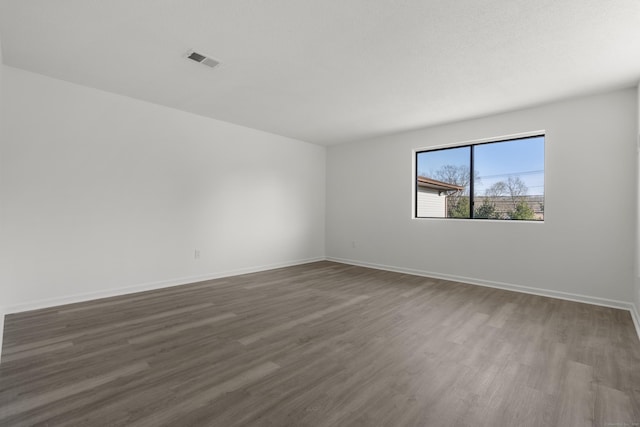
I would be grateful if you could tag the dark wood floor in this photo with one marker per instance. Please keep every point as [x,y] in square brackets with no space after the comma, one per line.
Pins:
[322,344]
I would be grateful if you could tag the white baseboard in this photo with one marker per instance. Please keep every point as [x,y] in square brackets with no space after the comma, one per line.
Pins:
[506,286]
[70,299]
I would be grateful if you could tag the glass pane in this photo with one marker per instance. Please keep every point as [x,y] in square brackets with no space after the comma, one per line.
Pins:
[443,183]
[510,180]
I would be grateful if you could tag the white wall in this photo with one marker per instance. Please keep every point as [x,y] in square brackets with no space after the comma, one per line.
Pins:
[637,267]
[104,192]
[585,246]
[3,297]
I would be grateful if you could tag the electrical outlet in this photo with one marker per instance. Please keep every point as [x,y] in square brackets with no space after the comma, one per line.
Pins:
[196,254]
[353,243]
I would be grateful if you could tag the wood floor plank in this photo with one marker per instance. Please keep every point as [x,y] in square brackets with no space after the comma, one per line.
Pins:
[24,405]
[37,351]
[180,328]
[321,344]
[613,407]
[168,415]
[577,406]
[293,323]
[114,326]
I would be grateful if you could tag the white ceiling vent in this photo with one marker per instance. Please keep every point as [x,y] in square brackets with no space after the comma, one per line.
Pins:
[203,59]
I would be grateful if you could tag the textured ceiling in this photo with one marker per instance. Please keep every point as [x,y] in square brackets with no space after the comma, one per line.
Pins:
[329,71]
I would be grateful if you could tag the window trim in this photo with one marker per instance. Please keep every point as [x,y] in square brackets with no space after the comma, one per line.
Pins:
[471,144]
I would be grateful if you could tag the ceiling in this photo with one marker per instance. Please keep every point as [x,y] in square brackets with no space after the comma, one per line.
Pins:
[331,71]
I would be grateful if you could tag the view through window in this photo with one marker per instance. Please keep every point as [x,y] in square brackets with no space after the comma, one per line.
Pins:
[507,182]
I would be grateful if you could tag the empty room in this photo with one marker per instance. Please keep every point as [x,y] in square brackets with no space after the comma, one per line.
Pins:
[319,213]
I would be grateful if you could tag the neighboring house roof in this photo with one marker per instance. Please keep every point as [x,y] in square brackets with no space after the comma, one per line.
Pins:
[434,184]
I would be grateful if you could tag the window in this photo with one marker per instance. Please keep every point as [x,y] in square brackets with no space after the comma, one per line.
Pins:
[507,182]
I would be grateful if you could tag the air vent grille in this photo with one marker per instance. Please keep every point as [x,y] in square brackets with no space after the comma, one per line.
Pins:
[197,57]
[203,59]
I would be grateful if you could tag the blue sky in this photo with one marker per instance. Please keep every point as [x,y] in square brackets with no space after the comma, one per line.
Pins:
[494,162]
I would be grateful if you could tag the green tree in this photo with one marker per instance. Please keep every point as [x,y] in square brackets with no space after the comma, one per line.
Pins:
[460,209]
[486,210]
[522,212]
[515,190]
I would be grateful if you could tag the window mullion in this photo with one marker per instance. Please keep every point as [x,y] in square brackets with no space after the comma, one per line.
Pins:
[471,183]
